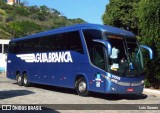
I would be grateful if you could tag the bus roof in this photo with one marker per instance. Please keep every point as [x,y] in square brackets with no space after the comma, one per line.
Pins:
[109,29]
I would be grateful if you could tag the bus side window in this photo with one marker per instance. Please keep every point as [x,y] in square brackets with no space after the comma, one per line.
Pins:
[59,42]
[73,42]
[17,48]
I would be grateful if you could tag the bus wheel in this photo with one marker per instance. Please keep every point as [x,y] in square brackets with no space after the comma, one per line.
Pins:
[81,87]
[19,79]
[26,83]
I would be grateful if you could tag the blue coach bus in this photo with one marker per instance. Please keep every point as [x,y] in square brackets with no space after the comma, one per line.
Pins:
[87,57]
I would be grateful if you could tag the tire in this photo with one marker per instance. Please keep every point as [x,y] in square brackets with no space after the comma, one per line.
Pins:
[26,83]
[19,79]
[81,87]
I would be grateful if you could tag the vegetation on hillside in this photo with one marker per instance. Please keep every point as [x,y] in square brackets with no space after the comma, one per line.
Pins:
[143,18]
[19,20]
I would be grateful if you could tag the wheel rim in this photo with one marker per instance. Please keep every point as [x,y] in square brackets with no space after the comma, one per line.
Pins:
[82,87]
[25,80]
[19,79]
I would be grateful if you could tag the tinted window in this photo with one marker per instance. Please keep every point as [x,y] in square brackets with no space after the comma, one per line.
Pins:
[73,42]
[57,42]
[29,46]
[14,47]
[92,33]
[96,50]
[52,43]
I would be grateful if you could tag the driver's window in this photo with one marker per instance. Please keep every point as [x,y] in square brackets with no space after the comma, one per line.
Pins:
[95,49]
[97,55]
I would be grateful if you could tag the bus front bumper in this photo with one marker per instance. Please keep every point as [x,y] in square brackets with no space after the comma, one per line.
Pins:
[129,87]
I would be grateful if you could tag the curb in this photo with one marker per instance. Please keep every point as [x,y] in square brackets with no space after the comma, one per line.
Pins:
[151,91]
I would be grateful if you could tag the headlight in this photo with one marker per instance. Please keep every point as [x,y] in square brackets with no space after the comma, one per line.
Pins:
[142,81]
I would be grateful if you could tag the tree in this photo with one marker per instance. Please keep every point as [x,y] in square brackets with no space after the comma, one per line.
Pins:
[54,11]
[2,15]
[2,2]
[20,20]
[78,20]
[149,17]
[122,14]
[22,28]
[3,32]
[21,10]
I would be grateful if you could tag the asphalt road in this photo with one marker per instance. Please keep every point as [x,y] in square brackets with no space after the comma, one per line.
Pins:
[55,99]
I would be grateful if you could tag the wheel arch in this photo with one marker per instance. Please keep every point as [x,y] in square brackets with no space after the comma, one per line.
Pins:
[79,75]
[24,72]
[17,72]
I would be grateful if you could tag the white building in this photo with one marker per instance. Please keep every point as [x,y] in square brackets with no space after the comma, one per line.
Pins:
[11,2]
[3,54]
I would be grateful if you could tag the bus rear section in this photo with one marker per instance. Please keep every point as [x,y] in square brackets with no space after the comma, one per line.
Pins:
[50,59]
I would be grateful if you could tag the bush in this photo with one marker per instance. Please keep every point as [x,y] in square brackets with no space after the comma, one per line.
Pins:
[147,84]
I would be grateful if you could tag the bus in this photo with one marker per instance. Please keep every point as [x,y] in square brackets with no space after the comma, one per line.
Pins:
[85,57]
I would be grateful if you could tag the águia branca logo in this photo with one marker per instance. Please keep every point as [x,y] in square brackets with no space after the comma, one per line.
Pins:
[47,57]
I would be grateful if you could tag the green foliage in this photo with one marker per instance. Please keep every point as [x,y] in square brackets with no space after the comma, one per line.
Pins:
[123,14]
[20,29]
[3,33]
[149,16]
[147,84]
[21,10]
[20,20]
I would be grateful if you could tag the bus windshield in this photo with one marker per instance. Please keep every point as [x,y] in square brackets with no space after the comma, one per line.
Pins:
[126,58]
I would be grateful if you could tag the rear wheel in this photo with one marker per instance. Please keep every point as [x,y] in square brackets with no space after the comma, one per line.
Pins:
[25,80]
[19,79]
[81,87]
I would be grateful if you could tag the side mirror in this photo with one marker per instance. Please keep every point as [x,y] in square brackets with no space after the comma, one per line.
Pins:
[149,49]
[106,44]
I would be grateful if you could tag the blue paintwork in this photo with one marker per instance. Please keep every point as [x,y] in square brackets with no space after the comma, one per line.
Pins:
[109,29]
[123,89]
[149,49]
[64,74]
[106,44]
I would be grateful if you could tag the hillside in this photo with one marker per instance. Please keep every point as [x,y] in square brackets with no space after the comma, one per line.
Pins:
[19,20]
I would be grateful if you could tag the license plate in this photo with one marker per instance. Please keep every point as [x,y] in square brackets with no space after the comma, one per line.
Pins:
[130,89]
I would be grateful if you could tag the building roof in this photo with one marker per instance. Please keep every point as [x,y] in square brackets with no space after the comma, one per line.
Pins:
[4,41]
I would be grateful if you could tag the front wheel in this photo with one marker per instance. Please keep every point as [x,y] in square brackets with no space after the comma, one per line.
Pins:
[81,87]
[19,79]
[26,83]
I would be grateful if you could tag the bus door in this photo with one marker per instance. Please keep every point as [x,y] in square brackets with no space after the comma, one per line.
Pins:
[98,58]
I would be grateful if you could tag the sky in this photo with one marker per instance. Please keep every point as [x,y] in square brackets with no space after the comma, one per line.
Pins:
[89,10]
